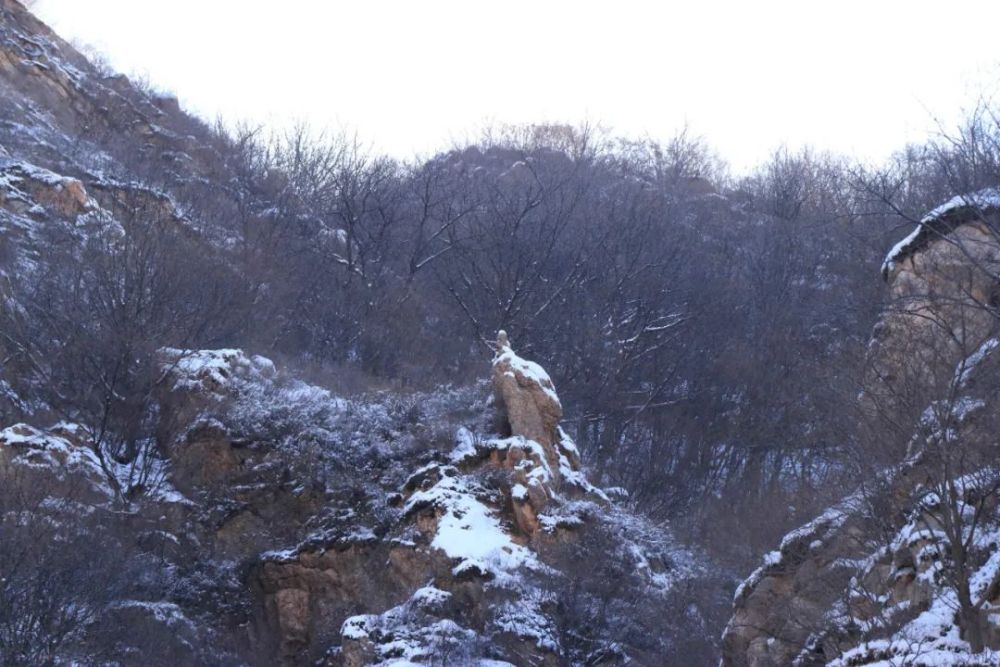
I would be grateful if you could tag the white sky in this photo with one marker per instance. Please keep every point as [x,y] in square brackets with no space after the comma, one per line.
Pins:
[411,76]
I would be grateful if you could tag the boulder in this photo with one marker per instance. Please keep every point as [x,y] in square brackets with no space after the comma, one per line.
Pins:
[24,185]
[942,300]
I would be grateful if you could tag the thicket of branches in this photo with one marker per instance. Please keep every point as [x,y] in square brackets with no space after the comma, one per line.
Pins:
[704,331]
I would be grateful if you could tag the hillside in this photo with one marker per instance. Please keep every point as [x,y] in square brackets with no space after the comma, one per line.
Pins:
[904,570]
[551,397]
[223,511]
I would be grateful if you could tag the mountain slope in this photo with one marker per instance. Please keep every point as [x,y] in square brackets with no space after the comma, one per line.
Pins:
[208,506]
[904,570]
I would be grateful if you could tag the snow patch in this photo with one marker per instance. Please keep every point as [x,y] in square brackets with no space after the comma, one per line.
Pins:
[468,530]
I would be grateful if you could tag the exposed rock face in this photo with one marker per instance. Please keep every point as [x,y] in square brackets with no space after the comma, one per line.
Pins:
[471,547]
[526,396]
[448,565]
[837,591]
[942,289]
[528,403]
[196,383]
[778,608]
[22,185]
[46,83]
[312,590]
[461,557]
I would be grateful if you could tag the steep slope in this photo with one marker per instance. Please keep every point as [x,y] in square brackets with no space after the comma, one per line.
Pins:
[230,513]
[60,111]
[906,569]
[407,543]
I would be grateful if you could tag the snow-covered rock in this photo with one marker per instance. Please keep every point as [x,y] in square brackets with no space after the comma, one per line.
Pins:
[210,372]
[59,457]
[868,581]
[455,567]
[526,395]
[939,222]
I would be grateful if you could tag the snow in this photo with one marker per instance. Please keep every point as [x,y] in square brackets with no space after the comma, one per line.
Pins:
[469,448]
[465,446]
[902,248]
[39,449]
[537,468]
[943,652]
[526,621]
[357,627]
[927,633]
[280,555]
[813,534]
[832,519]
[985,575]
[210,370]
[162,490]
[570,475]
[164,612]
[651,548]
[527,369]
[929,640]
[964,405]
[404,635]
[982,199]
[13,170]
[468,530]
[321,540]
[988,198]
[429,597]
[968,366]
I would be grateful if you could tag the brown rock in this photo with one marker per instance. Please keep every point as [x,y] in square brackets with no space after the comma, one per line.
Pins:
[292,607]
[527,397]
[312,592]
[203,457]
[942,291]
[57,461]
[941,299]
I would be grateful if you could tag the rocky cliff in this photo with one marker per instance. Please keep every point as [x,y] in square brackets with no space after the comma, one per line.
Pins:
[360,532]
[251,517]
[880,578]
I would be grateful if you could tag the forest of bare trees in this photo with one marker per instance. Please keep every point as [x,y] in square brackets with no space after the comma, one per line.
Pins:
[707,330]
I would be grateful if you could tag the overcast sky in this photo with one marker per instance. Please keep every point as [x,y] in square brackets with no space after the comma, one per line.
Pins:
[411,76]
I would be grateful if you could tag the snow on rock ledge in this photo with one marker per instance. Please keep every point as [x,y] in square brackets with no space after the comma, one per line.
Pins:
[939,222]
[209,371]
[60,453]
[25,184]
[541,454]
[411,633]
[467,531]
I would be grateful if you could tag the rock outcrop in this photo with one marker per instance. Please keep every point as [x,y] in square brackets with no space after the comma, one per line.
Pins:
[473,544]
[942,297]
[464,554]
[526,397]
[401,564]
[59,459]
[865,582]
[545,456]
